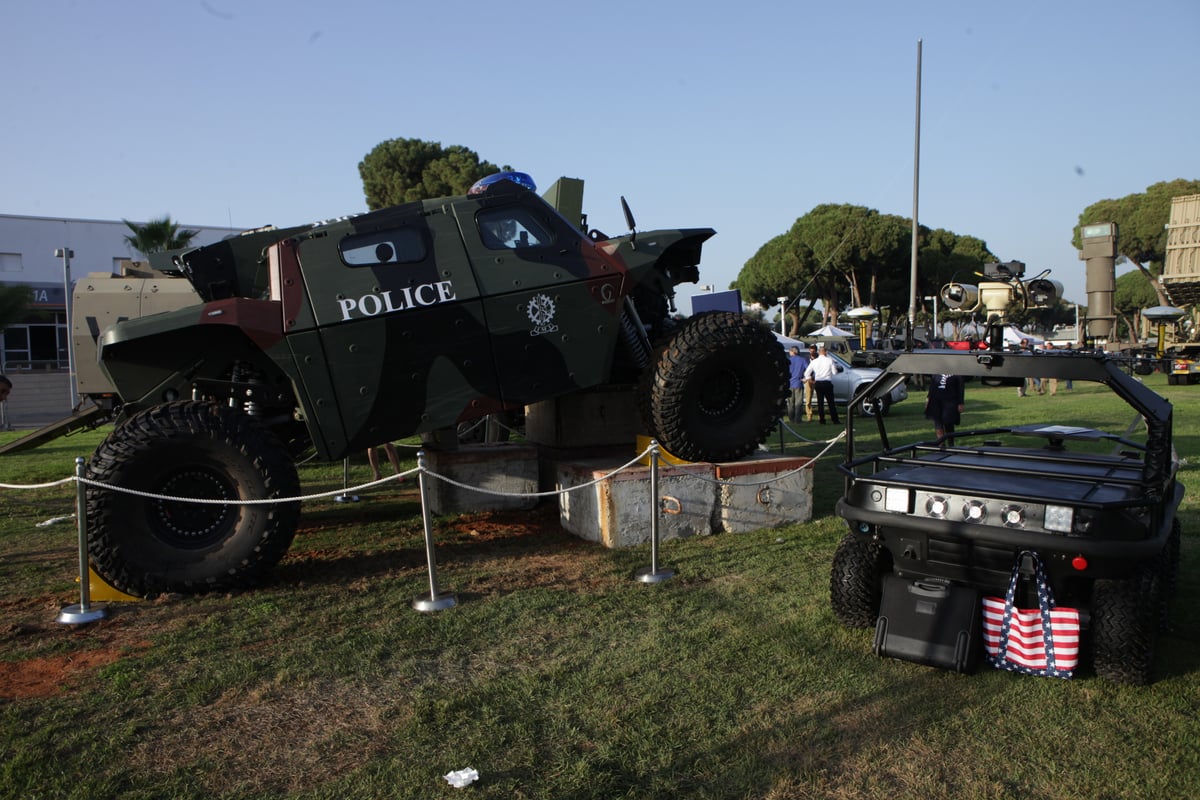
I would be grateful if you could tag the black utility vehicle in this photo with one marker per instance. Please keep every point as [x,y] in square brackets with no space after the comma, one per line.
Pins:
[1098,507]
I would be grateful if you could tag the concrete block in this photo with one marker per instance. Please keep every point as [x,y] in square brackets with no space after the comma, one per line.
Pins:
[602,416]
[764,492]
[508,468]
[616,512]
[695,499]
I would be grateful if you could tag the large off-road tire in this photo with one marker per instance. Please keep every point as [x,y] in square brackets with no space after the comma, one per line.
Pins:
[856,581]
[717,389]
[147,546]
[1125,620]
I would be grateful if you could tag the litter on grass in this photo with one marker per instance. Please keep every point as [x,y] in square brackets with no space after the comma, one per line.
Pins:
[461,777]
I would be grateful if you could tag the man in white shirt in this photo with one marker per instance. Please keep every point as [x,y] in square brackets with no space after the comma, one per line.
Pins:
[821,372]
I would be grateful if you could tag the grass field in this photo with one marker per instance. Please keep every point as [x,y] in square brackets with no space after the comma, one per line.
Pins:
[557,675]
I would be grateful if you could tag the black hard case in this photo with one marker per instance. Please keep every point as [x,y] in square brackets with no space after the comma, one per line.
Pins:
[929,622]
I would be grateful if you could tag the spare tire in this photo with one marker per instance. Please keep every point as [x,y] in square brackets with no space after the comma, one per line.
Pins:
[145,546]
[717,390]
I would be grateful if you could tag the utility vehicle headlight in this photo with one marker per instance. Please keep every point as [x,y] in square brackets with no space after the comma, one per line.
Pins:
[1013,516]
[974,511]
[937,506]
[1059,518]
[897,500]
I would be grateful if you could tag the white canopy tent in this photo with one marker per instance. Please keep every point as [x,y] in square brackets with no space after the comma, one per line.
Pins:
[1014,335]
[827,331]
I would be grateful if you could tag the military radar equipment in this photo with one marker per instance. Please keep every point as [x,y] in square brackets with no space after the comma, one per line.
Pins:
[1004,287]
[333,337]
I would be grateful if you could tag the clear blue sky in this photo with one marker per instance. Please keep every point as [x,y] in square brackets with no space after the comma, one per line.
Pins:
[739,116]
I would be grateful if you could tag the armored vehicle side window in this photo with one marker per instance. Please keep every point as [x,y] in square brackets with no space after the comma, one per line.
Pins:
[399,246]
[511,227]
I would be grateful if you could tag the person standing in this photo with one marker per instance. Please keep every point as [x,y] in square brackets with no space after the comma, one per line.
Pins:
[797,363]
[808,386]
[373,459]
[944,403]
[1049,384]
[5,387]
[821,372]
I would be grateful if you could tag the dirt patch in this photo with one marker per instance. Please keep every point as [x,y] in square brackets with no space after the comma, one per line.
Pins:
[509,551]
[46,677]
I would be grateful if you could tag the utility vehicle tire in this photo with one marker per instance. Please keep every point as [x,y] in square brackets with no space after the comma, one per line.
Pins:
[1172,380]
[1125,619]
[856,581]
[146,546]
[717,390]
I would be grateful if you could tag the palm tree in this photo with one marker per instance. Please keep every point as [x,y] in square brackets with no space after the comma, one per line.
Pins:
[14,303]
[158,235]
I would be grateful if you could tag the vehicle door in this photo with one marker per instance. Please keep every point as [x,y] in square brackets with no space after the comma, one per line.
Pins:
[552,302]
[400,331]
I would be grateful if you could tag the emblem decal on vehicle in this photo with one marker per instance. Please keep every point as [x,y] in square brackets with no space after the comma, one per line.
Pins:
[541,311]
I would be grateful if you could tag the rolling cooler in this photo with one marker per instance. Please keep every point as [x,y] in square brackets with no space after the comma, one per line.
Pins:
[929,621]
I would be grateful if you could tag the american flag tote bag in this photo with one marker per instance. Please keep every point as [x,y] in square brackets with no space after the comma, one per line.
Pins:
[1042,641]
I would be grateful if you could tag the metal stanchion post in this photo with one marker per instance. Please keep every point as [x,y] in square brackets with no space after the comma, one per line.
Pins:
[82,613]
[345,496]
[654,574]
[437,600]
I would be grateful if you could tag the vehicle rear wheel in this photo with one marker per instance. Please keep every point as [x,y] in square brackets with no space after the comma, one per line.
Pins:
[717,389]
[145,546]
[1125,619]
[856,581]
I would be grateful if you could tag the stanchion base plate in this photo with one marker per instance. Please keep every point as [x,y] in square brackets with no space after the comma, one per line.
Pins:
[346,498]
[651,575]
[435,603]
[77,615]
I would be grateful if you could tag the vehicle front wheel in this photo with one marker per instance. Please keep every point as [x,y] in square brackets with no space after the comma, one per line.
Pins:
[717,389]
[145,546]
[856,581]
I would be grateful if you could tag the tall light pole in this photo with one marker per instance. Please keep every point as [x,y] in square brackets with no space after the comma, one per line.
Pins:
[782,315]
[66,254]
[912,277]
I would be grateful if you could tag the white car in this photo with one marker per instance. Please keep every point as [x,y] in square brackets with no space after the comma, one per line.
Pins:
[849,378]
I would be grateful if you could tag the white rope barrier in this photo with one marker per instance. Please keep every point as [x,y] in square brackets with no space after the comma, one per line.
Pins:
[780,476]
[62,482]
[402,475]
[436,600]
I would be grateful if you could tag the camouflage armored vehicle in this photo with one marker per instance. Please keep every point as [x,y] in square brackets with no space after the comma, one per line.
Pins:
[333,337]
[1096,498]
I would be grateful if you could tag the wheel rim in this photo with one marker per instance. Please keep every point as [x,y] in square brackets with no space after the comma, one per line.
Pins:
[193,525]
[722,394]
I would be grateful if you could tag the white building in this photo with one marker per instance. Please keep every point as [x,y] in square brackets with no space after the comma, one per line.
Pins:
[34,351]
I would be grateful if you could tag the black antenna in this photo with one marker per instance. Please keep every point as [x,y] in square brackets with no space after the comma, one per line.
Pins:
[629,223]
